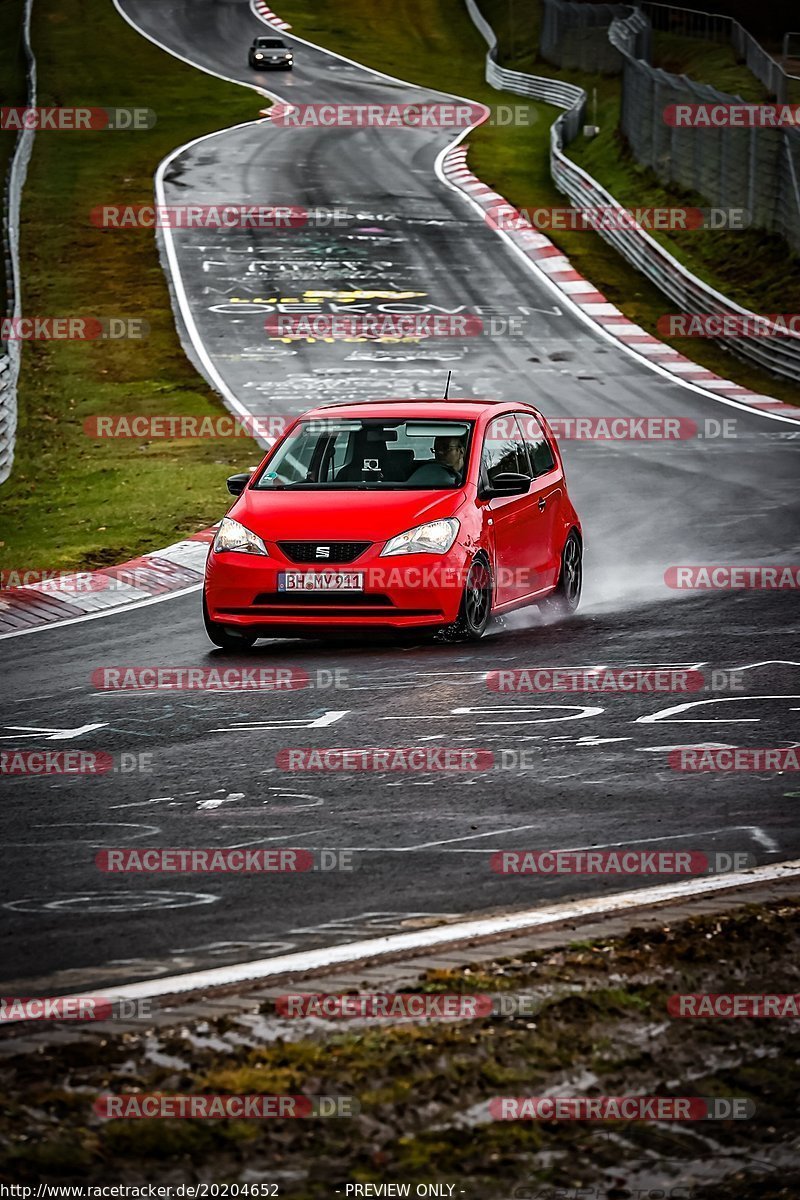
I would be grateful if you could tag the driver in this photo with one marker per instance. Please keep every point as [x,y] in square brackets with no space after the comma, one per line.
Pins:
[447,464]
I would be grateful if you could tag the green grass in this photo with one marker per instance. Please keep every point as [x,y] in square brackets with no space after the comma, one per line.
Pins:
[13,92]
[73,501]
[708,62]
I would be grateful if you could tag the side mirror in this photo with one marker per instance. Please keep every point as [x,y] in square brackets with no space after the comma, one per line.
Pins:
[237,483]
[509,483]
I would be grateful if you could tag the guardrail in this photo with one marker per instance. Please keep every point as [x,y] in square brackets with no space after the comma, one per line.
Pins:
[537,87]
[8,416]
[778,355]
[10,351]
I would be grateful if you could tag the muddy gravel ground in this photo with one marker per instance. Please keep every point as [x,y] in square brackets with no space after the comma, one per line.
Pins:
[594,1022]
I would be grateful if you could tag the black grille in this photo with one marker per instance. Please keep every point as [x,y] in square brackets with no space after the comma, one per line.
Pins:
[306,552]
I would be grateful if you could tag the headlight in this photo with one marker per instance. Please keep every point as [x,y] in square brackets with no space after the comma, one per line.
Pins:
[259,56]
[233,536]
[434,538]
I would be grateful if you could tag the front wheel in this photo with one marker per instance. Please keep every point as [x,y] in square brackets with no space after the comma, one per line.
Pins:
[476,606]
[564,601]
[225,637]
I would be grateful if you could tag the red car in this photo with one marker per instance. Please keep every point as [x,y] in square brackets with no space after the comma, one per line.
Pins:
[429,515]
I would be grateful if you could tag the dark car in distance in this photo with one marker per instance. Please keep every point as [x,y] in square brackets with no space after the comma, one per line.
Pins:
[270,53]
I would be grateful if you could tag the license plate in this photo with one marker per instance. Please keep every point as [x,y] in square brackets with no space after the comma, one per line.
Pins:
[321,581]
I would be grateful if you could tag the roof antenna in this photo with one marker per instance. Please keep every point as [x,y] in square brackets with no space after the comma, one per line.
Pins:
[447,385]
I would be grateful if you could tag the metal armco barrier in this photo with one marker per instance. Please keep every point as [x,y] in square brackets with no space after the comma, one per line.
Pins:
[779,355]
[551,91]
[10,352]
[752,169]
[8,416]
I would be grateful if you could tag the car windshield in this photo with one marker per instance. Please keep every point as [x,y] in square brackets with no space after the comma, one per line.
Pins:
[376,452]
[269,44]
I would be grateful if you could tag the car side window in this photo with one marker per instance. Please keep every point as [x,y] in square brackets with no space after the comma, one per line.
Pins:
[504,449]
[539,452]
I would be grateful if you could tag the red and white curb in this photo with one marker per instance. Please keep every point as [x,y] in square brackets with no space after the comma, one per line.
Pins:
[583,294]
[269,16]
[177,568]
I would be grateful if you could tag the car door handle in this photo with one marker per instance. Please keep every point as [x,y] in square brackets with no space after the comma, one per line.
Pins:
[542,503]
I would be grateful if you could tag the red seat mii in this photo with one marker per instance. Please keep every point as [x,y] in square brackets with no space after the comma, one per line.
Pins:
[396,514]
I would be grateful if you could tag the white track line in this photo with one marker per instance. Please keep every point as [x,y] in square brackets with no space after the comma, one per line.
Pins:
[442,935]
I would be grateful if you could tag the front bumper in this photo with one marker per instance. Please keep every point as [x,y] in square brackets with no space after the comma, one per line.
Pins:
[402,591]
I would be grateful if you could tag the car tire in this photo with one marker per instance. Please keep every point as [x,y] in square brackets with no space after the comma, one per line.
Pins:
[564,601]
[224,637]
[476,605]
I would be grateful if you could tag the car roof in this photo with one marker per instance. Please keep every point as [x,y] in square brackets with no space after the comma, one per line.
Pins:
[422,407]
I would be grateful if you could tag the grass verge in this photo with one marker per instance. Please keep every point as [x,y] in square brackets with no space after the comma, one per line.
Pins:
[73,501]
[434,44]
[594,1023]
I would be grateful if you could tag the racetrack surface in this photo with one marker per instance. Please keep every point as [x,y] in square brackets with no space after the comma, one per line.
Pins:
[597,772]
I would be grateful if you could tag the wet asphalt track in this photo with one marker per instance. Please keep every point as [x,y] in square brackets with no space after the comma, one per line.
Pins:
[422,843]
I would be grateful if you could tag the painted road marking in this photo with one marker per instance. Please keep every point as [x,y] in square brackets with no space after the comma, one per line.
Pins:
[49,735]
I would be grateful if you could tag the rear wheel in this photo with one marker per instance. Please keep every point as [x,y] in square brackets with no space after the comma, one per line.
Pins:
[565,599]
[476,606]
[225,637]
